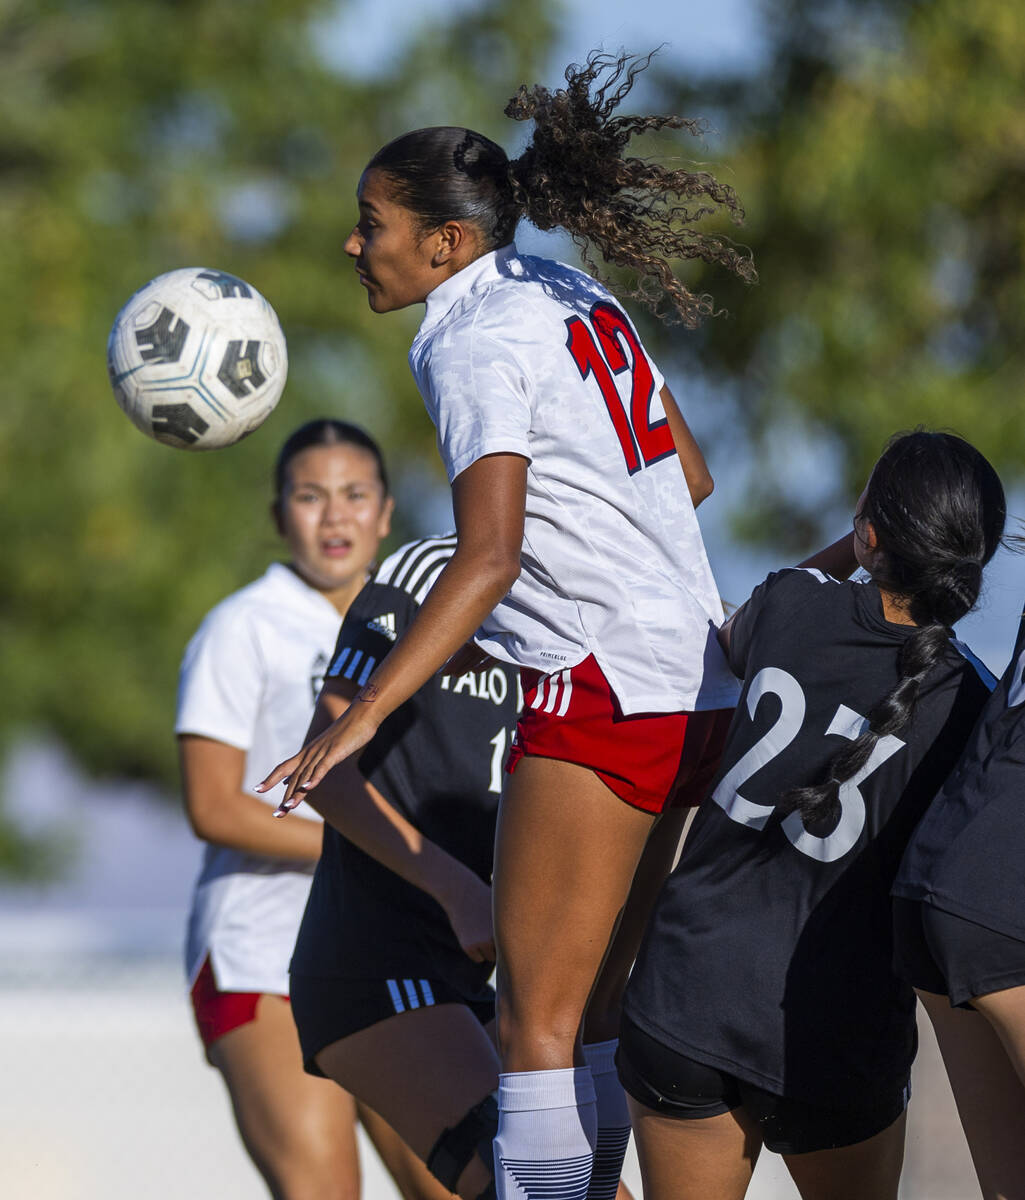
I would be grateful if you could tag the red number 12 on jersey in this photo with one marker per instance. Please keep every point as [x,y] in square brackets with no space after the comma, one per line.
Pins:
[643,443]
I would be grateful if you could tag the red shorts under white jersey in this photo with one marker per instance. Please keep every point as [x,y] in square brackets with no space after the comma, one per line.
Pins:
[217,1012]
[651,761]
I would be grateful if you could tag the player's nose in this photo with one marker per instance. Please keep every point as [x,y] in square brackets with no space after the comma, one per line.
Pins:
[334,511]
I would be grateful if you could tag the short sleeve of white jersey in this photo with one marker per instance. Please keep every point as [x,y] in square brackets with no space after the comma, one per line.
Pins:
[478,393]
[220,685]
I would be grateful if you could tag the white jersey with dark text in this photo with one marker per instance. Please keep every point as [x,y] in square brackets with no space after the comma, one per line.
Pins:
[250,677]
[531,357]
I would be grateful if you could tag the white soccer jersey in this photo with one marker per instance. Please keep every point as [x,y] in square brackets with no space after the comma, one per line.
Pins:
[531,357]
[250,677]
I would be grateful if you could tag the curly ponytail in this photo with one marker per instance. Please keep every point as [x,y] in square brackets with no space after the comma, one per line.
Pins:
[573,175]
[637,213]
[938,510]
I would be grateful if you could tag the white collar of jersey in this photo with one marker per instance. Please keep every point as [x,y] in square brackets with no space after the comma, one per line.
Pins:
[283,577]
[481,271]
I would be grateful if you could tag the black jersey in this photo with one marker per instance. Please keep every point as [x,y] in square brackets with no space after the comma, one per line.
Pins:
[967,855]
[769,953]
[438,759]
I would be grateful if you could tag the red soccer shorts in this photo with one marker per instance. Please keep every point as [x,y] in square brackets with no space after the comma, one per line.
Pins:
[217,1012]
[652,761]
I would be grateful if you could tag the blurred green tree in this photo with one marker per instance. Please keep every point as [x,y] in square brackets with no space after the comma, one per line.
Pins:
[879,151]
[141,135]
[880,154]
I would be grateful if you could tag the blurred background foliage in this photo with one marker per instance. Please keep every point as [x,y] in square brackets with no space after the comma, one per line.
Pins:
[137,136]
[880,154]
[879,151]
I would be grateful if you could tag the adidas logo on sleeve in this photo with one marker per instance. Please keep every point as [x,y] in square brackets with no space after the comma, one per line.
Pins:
[384,625]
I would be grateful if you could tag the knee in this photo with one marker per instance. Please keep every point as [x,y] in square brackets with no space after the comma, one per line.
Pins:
[538,1041]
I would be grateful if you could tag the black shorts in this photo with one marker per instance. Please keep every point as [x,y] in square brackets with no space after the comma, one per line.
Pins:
[936,951]
[327,1009]
[673,1085]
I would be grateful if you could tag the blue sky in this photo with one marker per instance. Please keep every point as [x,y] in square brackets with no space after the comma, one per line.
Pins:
[698,36]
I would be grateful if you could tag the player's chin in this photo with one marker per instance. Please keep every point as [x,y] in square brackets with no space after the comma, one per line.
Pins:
[381,303]
[383,300]
[328,575]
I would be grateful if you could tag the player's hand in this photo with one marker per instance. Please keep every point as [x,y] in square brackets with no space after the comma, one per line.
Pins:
[469,913]
[303,771]
[468,658]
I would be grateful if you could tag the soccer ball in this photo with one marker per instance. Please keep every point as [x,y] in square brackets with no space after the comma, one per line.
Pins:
[197,359]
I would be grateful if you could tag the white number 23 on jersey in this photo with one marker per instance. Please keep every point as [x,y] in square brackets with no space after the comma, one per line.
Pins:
[846,722]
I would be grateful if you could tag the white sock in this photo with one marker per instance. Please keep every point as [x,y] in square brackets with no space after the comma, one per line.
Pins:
[613,1120]
[544,1147]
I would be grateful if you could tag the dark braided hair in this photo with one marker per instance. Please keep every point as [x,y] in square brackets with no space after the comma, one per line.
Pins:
[573,175]
[938,510]
[324,431]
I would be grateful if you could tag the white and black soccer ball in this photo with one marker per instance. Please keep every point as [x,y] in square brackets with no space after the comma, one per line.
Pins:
[197,359]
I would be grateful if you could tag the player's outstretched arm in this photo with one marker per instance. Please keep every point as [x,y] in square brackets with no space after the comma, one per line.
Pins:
[489,500]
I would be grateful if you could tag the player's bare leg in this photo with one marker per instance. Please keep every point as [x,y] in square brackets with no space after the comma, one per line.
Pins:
[565,855]
[604,1008]
[422,1071]
[408,1170]
[1005,1011]
[868,1168]
[606,1001]
[709,1159]
[299,1131]
[989,1095]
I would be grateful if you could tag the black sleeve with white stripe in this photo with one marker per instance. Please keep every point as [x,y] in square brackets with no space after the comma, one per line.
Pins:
[386,605]
[376,618]
[415,567]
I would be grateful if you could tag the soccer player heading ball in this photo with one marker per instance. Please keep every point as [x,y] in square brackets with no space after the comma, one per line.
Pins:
[579,557]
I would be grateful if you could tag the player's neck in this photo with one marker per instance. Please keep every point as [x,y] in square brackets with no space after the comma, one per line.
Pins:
[342,597]
[896,608]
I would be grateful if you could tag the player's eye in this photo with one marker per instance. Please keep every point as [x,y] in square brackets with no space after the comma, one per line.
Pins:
[306,497]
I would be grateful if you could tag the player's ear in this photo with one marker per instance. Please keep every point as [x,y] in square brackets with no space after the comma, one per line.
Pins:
[451,239]
[276,517]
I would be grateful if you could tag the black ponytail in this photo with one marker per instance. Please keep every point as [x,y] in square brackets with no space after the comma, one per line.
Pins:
[574,176]
[938,510]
